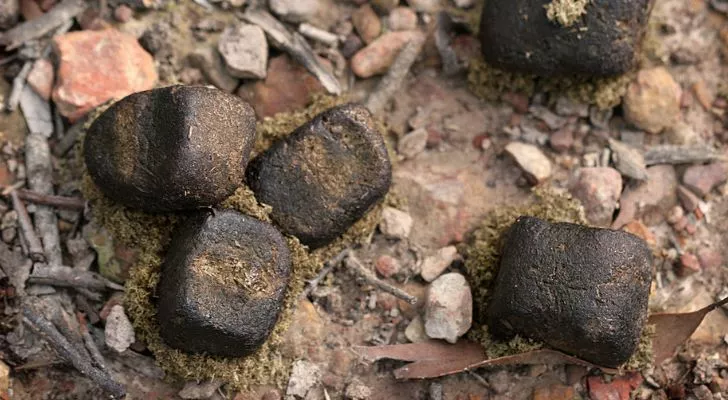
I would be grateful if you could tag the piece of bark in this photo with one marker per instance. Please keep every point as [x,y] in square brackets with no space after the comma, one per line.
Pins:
[392,81]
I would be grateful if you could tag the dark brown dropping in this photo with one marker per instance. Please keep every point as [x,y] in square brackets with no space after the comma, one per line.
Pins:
[173,148]
[222,284]
[578,289]
[517,35]
[325,176]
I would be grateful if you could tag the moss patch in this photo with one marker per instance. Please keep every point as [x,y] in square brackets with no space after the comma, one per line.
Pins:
[481,252]
[643,358]
[491,83]
[566,12]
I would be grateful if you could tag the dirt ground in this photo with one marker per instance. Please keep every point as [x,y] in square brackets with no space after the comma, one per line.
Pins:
[462,174]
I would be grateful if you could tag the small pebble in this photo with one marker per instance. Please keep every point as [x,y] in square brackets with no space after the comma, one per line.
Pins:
[123,13]
[119,332]
[295,11]
[599,190]
[387,266]
[204,390]
[689,264]
[688,199]
[245,51]
[536,166]
[395,224]
[367,23]
[415,331]
[378,56]
[704,178]
[305,375]
[448,308]
[652,101]
[413,143]
[436,264]
[710,259]
[402,19]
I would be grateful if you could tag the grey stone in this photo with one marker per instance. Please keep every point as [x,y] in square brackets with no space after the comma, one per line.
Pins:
[413,143]
[222,285]
[203,390]
[435,264]
[304,376]
[535,165]
[245,51]
[517,35]
[9,13]
[395,224]
[173,148]
[581,290]
[449,308]
[294,10]
[598,189]
[324,176]
[119,333]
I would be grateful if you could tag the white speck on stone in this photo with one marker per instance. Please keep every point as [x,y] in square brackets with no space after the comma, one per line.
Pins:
[413,143]
[395,224]
[437,263]
[194,390]
[245,51]
[305,376]
[532,161]
[119,332]
[449,308]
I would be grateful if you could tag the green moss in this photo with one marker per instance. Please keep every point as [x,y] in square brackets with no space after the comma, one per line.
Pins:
[491,83]
[643,358]
[481,252]
[566,12]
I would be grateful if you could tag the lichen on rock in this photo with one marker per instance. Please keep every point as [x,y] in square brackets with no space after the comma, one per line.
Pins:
[566,12]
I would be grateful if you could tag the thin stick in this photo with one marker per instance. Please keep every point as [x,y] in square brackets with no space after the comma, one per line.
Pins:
[330,265]
[390,84]
[59,275]
[93,350]
[670,154]
[40,180]
[71,354]
[42,25]
[355,265]
[68,203]
[35,248]
[18,86]
[69,139]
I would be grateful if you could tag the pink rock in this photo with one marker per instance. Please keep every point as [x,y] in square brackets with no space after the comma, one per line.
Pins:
[376,58]
[402,19]
[688,199]
[709,258]
[97,66]
[618,389]
[123,13]
[689,264]
[599,190]
[41,78]
[387,266]
[367,23]
[703,178]
[651,199]
[562,139]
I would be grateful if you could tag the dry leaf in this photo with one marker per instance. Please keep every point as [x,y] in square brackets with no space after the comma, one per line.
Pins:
[672,330]
[433,359]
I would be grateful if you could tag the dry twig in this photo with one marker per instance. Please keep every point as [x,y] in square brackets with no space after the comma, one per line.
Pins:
[35,248]
[330,265]
[80,360]
[42,25]
[40,179]
[68,203]
[353,263]
[391,83]
[59,275]
[670,154]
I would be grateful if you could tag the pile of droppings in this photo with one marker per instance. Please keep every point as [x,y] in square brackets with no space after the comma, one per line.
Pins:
[150,234]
